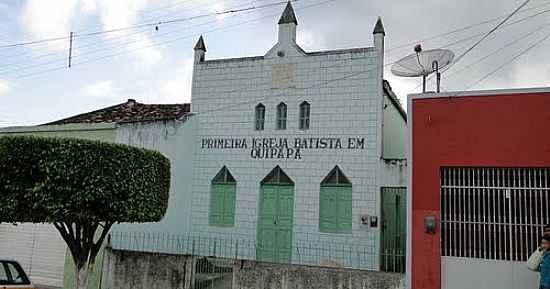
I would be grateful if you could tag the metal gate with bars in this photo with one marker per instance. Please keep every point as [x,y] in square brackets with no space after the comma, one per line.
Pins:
[493,213]
[394,230]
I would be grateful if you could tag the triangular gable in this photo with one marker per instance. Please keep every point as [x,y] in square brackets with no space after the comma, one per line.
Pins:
[336,177]
[224,177]
[277,176]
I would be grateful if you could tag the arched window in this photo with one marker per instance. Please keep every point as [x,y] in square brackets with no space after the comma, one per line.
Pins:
[281,116]
[222,199]
[304,115]
[259,117]
[335,198]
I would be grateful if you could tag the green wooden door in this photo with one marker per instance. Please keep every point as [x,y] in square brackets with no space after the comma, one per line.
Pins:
[275,222]
[394,229]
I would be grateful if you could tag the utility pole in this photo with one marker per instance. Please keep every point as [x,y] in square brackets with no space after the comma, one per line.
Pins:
[70,48]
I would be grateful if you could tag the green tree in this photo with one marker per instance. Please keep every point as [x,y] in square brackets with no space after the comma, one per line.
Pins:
[82,187]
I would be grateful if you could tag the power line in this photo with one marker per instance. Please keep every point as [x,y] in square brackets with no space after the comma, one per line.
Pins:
[488,34]
[135,49]
[253,101]
[406,45]
[485,36]
[509,61]
[462,40]
[142,25]
[90,43]
[159,16]
[106,48]
[63,58]
[43,42]
[155,24]
[282,93]
[479,60]
[95,51]
[521,20]
[76,63]
[33,42]
[156,35]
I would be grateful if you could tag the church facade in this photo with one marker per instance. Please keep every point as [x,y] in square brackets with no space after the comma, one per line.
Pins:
[293,150]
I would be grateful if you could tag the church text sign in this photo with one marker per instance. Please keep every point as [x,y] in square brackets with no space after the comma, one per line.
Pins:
[282,148]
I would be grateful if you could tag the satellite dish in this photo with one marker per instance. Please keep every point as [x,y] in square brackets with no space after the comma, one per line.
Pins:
[423,63]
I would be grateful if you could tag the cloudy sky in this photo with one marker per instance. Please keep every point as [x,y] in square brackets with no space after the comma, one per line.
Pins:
[154,66]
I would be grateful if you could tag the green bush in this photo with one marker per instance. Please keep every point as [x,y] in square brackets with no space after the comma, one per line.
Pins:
[72,180]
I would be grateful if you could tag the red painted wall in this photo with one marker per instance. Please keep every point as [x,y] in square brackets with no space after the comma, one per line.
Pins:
[492,131]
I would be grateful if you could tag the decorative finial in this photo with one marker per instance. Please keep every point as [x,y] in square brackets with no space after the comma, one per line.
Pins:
[379,28]
[200,45]
[288,15]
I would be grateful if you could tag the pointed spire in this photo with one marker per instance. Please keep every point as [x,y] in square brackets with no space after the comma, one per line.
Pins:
[379,28]
[288,15]
[200,45]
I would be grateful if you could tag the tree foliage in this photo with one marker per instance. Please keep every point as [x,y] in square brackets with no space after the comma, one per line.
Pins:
[53,179]
[80,186]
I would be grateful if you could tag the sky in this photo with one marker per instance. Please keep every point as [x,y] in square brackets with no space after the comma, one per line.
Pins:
[155,66]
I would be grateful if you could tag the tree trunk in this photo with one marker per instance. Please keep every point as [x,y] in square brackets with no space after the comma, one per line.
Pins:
[83,274]
[80,239]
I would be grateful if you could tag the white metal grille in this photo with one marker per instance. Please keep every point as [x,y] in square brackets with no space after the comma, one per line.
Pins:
[493,213]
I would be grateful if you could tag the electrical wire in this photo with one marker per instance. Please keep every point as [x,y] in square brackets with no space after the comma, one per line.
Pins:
[150,24]
[521,20]
[91,41]
[63,58]
[477,43]
[494,52]
[467,27]
[523,52]
[333,80]
[485,36]
[131,50]
[314,86]
[193,7]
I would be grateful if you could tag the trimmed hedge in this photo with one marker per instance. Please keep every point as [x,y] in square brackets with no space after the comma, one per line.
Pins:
[58,179]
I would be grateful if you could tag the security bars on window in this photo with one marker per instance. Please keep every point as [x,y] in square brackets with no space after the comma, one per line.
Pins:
[493,213]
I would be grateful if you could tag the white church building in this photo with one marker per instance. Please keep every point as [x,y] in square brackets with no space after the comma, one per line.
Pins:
[293,150]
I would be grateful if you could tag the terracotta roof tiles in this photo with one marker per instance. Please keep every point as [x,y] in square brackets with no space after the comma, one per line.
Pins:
[130,111]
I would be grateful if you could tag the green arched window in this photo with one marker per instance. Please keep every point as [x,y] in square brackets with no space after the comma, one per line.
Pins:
[222,199]
[335,198]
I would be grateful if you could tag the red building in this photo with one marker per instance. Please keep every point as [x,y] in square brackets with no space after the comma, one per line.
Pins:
[479,187]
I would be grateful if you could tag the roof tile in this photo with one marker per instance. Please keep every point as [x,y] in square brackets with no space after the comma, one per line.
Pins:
[130,111]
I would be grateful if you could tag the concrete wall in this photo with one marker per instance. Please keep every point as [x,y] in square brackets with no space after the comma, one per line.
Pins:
[135,270]
[253,275]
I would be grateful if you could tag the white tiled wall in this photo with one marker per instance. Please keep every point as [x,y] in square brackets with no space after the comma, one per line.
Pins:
[224,96]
